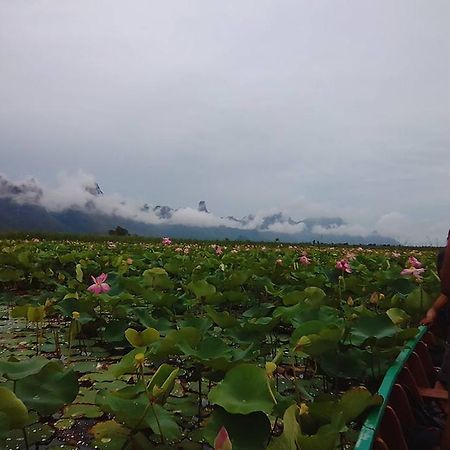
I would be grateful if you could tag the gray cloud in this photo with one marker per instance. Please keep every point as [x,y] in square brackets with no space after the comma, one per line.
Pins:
[324,107]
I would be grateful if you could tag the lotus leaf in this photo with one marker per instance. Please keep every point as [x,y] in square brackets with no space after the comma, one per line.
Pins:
[157,277]
[49,390]
[162,382]
[213,352]
[15,369]
[109,435]
[35,314]
[142,338]
[355,401]
[13,412]
[398,316]
[246,432]
[291,431]
[222,319]
[169,345]
[371,327]
[135,413]
[417,302]
[346,364]
[127,363]
[316,338]
[245,389]
[202,289]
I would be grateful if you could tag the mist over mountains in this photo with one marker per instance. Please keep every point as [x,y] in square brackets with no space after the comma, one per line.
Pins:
[78,205]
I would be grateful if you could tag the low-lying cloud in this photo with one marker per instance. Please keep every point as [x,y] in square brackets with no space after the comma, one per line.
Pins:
[80,191]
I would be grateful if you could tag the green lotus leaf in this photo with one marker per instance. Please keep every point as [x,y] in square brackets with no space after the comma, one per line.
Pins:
[343,364]
[8,275]
[157,277]
[15,369]
[13,412]
[169,345]
[79,273]
[314,295]
[135,413]
[213,352]
[109,435]
[115,330]
[127,364]
[245,389]
[246,432]
[162,382]
[325,439]
[260,324]
[223,319]
[237,278]
[142,338]
[20,312]
[49,390]
[35,314]
[355,401]
[398,316]
[417,302]
[366,327]
[82,410]
[202,289]
[292,298]
[314,338]
[291,431]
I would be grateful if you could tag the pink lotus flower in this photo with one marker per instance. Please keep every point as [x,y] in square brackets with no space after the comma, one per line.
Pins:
[344,266]
[219,250]
[99,285]
[166,241]
[304,260]
[414,262]
[222,440]
[413,271]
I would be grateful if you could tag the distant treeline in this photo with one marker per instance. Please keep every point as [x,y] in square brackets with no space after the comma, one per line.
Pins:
[92,237]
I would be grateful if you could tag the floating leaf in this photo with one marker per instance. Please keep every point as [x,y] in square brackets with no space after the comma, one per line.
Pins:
[81,410]
[15,369]
[49,390]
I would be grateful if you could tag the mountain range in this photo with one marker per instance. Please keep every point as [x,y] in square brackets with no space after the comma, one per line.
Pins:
[23,207]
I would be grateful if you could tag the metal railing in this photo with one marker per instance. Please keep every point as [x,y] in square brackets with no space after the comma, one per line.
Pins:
[372,423]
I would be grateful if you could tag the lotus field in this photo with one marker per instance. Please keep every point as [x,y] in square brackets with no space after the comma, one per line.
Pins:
[167,345]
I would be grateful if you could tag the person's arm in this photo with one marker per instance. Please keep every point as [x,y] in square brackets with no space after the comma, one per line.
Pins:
[442,300]
[431,314]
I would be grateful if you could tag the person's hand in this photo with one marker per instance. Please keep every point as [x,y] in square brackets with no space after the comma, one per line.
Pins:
[430,317]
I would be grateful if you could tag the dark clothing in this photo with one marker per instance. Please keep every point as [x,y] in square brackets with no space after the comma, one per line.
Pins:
[445,273]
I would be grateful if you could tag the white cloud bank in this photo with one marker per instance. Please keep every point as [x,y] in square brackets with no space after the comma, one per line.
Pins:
[76,191]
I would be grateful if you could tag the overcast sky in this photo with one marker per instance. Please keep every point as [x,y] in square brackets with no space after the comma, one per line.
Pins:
[314,107]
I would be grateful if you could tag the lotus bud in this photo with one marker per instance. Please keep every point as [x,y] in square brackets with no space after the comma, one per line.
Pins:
[222,440]
[157,391]
[374,298]
[270,368]
[75,315]
[139,358]
[304,409]
[350,301]
[304,341]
